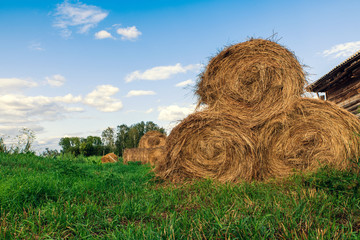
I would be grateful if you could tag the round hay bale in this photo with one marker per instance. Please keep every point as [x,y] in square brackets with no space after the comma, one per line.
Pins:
[257,77]
[156,155]
[209,144]
[152,139]
[110,158]
[312,134]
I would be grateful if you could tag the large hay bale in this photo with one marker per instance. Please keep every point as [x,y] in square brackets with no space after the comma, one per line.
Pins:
[258,77]
[311,134]
[152,139]
[143,155]
[209,144]
[110,158]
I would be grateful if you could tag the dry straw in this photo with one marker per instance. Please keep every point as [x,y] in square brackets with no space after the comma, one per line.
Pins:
[209,144]
[258,78]
[110,158]
[152,139]
[311,134]
[143,155]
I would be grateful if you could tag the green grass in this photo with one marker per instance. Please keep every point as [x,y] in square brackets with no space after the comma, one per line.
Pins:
[64,198]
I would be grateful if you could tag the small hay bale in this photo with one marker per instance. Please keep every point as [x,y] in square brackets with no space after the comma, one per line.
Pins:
[257,78]
[312,134]
[152,139]
[143,155]
[110,158]
[209,144]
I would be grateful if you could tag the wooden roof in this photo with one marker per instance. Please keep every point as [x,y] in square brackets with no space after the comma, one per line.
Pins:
[349,69]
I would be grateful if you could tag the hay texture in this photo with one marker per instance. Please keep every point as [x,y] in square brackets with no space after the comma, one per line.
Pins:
[110,158]
[143,155]
[257,78]
[209,144]
[313,133]
[152,139]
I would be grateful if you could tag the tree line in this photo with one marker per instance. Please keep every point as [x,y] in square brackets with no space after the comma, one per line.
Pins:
[111,140]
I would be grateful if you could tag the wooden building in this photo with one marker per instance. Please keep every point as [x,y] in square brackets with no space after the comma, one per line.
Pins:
[342,84]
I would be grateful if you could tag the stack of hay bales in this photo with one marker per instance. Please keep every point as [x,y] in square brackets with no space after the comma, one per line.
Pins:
[150,149]
[255,124]
[110,158]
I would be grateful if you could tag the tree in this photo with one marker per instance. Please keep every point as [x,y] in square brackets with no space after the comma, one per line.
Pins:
[3,148]
[151,126]
[91,146]
[25,140]
[70,145]
[121,137]
[108,139]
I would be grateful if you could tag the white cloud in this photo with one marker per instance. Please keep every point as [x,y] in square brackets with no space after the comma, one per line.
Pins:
[19,109]
[134,93]
[78,15]
[161,72]
[55,80]
[129,33]
[101,99]
[103,34]
[342,50]
[150,110]
[174,112]
[36,46]
[185,83]
[15,84]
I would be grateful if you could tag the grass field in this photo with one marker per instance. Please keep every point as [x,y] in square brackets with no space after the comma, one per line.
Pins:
[42,198]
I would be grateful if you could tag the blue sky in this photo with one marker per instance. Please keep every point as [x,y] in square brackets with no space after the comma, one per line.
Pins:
[74,68]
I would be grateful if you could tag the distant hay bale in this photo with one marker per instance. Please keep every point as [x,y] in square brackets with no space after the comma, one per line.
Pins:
[143,155]
[152,139]
[258,78]
[311,134]
[209,144]
[110,158]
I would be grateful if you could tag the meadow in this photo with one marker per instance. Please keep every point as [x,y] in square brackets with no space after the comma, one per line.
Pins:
[80,198]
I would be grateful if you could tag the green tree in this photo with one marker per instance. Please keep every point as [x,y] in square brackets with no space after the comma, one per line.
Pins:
[121,138]
[108,139]
[70,145]
[151,126]
[91,145]
[3,148]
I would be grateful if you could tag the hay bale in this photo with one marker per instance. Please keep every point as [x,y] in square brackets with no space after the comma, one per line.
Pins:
[152,139]
[143,155]
[258,78]
[209,144]
[311,134]
[110,158]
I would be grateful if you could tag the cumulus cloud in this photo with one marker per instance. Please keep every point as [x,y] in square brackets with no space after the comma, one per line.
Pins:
[19,109]
[15,84]
[77,15]
[101,99]
[129,33]
[55,80]
[342,50]
[185,83]
[103,34]
[161,72]
[134,93]
[174,112]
